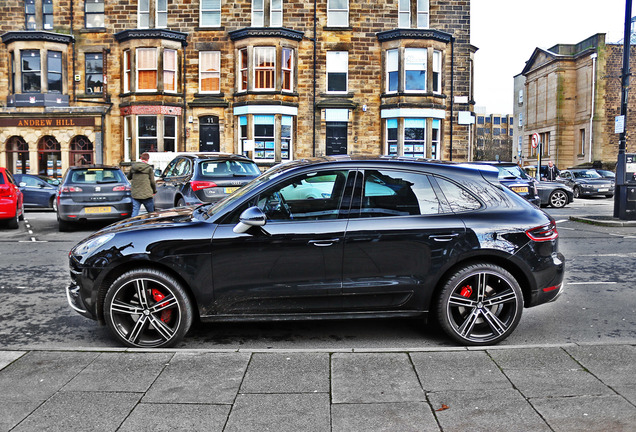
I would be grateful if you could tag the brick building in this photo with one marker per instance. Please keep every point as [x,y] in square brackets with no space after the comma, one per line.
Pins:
[571,97]
[103,81]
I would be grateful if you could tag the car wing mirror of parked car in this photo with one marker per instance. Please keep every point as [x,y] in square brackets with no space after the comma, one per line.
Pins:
[22,184]
[157,172]
[251,217]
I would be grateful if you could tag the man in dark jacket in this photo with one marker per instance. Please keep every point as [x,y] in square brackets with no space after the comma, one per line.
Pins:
[142,179]
[552,172]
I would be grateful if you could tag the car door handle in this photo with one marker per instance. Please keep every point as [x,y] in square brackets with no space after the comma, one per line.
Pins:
[323,243]
[444,237]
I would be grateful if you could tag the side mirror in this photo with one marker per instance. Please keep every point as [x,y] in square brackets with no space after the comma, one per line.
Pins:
[252,217]
[22,184]
[157,172]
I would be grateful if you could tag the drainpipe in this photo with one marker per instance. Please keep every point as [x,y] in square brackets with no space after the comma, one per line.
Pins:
[593,57]
[73,44]
[183,113]
[452,77]
[314,89]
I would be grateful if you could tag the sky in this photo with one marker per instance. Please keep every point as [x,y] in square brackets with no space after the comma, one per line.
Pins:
[508,31]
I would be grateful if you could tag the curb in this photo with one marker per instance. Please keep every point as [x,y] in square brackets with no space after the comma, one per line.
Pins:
[603,221]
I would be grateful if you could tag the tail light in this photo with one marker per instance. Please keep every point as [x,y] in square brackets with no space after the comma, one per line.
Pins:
[543,233]
[198,185]
[6,191]
[71,189]
[121,188]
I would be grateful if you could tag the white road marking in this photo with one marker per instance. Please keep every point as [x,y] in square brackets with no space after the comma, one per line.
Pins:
[562,220]
[591,283]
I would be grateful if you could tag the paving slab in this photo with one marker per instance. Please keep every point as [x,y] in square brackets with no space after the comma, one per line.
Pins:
[533,358]
[126,372]
[81,411]
[173,417]
[8,357]
[199,378]
[374,377]
[612,364]
[40,374]
[13,412]
[468,370]
[586,413]
[383,417]
[279,413]
[485,410]
[287,373]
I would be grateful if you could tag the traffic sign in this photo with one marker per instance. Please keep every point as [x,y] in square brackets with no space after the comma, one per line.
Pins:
[535,140]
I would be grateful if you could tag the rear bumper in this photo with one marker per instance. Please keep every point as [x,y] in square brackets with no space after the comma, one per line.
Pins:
[549,281]
[88,211]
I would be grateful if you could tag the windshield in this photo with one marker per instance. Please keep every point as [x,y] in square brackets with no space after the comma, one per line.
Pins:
[511,171]
[590,174]
[228,168]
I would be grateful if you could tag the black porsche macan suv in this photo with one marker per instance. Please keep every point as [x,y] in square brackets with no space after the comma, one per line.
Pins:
[327,238]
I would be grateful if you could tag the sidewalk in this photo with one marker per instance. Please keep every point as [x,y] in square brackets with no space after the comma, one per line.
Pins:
[542,388]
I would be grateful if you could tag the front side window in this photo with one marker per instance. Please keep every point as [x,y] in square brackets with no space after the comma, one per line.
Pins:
[31,72]
[143,14]
[210,13]
[264,68]
[337,13]
[162,13]
[94,64]
[170,70]
[337,71]
[287,67]
[146,69]
[94,13]
[47,14]
[258,13]
[210,71]
[29,14]
[392,70]
[243,70]
[437,71]
[415,69]
[264,137]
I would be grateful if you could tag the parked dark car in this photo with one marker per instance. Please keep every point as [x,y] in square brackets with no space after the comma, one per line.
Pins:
[11,200]
[587,182]
[554,193]
[92,193]
[202,178]
[515,178]
[37,191]
[387,238]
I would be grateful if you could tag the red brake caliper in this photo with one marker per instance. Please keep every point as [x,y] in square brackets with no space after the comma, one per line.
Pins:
[158,296]
[466,291]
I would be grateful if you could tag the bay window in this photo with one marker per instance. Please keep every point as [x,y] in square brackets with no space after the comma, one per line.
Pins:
[264,68]
[392,62]
[169,133]
[415,60]
[147,134]
[437,71]
[413,137]
[337,71]
[210,71]
[127,71]
[392,137]
[285,137]
[264,138]
[146,69]
[54,71]
[243,69]
[169,70]
[287,67]
[31,72]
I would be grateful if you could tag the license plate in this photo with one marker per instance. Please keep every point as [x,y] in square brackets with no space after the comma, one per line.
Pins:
[520,189]
[96,209]
[229,190]
[603,190]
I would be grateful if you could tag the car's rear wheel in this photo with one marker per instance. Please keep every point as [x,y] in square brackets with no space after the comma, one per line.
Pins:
[147,308]
[480,304]
[64,226]
[14,222]
[558,199]
[180,202]
[53,203]
[577,192]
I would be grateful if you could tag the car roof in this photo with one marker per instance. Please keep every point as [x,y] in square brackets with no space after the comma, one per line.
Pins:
[94,166]
[214,155]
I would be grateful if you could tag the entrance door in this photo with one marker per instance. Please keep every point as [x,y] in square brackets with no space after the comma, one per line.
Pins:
[49,157]
[209,134]
[336,143]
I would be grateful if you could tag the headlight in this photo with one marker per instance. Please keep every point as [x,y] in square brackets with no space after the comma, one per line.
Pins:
[88,246]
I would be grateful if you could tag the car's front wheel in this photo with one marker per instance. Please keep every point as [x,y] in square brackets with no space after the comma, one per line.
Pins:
[147,308]
[577,192]
[480,304]
[558,199]
[53,203]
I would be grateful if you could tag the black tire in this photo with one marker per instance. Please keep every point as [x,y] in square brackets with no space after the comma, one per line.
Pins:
[609,196]
[558,198]
[147,308]
[53,204]
[180,203]
[480,304]
[14,222]
[577,192]
[64,226]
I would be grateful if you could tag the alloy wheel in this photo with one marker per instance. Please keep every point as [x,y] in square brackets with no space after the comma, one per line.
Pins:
[558,199]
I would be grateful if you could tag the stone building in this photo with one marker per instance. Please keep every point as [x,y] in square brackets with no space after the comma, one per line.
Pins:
[572,95]
[102,81]
[493,137]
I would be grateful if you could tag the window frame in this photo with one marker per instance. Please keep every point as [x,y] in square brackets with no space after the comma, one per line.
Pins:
[51,54]
[436,74]
[174,72]
[243,75]
[143,13]
[287,73]
[422,13]
[45,25]
[332,10]
[35,72]
[148,138]
[257,14]
[404,13]
[334,66]
[215,74]
[127,71]
[392,58]
[261,73]
[33,24]
[88,74]
[424,65]
[88,13]
[272,11]
[214,13]
[138,69]
[161,13]
[264,139]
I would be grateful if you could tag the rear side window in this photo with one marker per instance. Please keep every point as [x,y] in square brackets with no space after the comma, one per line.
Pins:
[97,175]
[227,168]
[396,193]
[459,198]
[2,178]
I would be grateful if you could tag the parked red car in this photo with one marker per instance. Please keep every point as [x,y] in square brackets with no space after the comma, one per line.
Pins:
[11,202]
